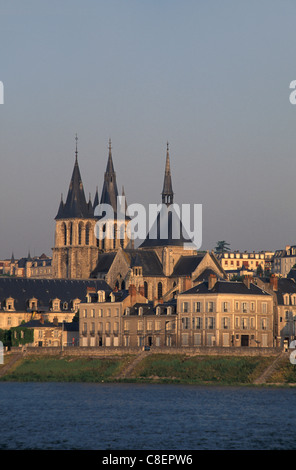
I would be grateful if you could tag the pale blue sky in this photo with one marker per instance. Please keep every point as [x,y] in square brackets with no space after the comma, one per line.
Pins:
[210,77]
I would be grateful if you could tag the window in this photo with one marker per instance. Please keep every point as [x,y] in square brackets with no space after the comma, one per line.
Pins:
[157,325]
[145,289]
[197,307]
[100,312]
[185,307]
[252,306]
[245,307]
[236,306]
[108,327]
[140,325]
[126,326]
[244,323]
[263,324]
[210,323]
[211,306]
[264,307]
[185,338]
[108,313]
[149,325]
[92,313]
[84,313]
[185,323]
[225,323]
[225,307]
[197,323]
[159,290]
[116,327]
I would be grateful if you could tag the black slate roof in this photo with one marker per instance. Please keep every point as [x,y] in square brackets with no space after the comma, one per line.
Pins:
[45,290]
[166,232]
[104,263]
[151,266]
[187,264]
[227,287]
[75,205]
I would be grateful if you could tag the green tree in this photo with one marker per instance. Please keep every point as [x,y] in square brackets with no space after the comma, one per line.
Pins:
[222,247]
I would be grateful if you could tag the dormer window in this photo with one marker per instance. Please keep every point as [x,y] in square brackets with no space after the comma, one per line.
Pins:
[101,296]
[65,305]
[157,310]
[33,303]
[169,310]
[10,303]
[56,305]
[140,311]
[127,311]
[286,299]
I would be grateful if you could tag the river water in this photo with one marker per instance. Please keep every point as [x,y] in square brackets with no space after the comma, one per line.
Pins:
[65,416]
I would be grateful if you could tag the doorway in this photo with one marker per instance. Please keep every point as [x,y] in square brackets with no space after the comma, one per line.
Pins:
[244,340]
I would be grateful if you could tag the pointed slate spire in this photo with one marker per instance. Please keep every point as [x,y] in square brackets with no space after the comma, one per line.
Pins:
[75,205]
[167,191]
[109,191]
[96,199]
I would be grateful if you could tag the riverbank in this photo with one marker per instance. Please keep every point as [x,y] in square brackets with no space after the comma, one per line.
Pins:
[148,367]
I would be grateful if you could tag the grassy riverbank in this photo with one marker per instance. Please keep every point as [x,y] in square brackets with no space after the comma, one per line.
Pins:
[153,368]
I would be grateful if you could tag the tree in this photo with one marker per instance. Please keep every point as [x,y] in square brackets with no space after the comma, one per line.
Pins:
[222,247]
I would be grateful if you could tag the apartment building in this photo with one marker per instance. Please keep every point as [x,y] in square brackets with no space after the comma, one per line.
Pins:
[225,313]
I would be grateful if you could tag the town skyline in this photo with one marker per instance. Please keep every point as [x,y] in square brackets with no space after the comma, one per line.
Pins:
[211,80]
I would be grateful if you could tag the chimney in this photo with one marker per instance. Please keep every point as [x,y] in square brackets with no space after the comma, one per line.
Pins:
[247,281]
[132,290]
[42,319]
[274,282]
[212,281]
[55,321]
[142,291]
[187,283]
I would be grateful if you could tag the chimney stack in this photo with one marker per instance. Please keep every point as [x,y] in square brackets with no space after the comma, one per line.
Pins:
[274,282]
[212,281]
[247,281]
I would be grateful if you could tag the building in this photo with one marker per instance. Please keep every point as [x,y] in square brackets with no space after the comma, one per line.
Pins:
[81,234]
[236,262]
[284,260]
[101,318]
[225,313]
[53,334]
[23,299]
[284,302]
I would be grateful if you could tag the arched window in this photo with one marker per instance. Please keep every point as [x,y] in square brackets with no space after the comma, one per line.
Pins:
[71,233]
[146,289]
[159,290]
[80,233]
[87,231]
[64,232]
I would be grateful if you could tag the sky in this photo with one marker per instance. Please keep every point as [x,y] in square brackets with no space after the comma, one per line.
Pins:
[209,77]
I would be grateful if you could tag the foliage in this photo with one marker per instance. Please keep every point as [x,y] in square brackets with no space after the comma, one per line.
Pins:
[5,337]
[21,335]
[222,247]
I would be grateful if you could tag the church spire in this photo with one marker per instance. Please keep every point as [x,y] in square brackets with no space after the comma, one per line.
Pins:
[167,191]
[75,205]
[110,191]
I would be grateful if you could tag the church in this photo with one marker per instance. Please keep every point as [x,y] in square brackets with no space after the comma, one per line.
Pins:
[159,267]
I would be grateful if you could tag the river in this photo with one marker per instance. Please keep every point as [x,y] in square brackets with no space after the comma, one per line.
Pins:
[65,416]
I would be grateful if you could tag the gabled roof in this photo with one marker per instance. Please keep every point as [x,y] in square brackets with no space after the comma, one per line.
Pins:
[104,263]
[45,290]
[226,287]
[151,266]
[187,265]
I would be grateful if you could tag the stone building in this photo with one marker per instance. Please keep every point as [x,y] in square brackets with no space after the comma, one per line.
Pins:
[22,299]
[81,233]
[225,313]
[284,306]
[53,334]
[101,318]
